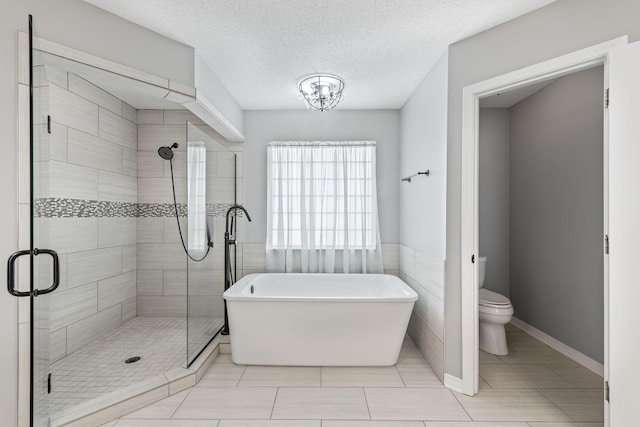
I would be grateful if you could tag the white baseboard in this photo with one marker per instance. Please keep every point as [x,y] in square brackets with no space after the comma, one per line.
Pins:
[453,383]
[575,355]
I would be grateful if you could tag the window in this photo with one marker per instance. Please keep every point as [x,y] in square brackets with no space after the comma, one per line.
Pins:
[321,195]
[196,198]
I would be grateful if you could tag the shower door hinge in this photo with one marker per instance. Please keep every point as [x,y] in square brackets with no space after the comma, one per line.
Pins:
[48,124]
[606,391]
[606,244]
[49,383]
[606,98]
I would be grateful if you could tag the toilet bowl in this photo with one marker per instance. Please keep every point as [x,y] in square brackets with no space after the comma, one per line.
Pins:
[494,311]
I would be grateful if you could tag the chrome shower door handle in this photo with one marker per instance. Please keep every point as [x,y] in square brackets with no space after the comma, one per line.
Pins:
[11,275]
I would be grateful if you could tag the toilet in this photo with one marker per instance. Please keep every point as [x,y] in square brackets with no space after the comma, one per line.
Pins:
[495,311]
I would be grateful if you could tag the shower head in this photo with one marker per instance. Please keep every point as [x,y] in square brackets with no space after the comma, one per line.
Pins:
[167,152]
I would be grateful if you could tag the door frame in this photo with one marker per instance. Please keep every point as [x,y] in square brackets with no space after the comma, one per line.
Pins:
[557,67]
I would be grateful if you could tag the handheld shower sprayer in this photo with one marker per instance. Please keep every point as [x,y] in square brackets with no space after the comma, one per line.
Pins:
[166,152]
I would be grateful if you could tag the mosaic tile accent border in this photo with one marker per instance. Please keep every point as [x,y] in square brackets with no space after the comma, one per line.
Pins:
[80,208]
[150,210]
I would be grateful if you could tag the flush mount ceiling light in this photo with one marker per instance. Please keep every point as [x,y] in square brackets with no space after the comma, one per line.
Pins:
[321,91]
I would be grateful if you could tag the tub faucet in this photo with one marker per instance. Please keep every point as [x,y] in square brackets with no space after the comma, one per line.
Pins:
[230,232]
[230,239]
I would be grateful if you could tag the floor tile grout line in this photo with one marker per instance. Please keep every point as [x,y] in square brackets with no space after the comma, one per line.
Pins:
[400,375]
[366,401]
[480,377]
[554,403]
[241,376]
[461,405]
[273,407]
[244,369]
[181,403]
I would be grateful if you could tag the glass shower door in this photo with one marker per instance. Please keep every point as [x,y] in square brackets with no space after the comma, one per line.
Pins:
[44,275]
[211,176]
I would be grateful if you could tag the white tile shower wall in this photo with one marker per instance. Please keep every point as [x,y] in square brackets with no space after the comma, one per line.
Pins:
[161,262]
[93,137]
[425,274]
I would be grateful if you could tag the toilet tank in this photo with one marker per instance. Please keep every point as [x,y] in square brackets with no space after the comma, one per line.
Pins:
[482,269]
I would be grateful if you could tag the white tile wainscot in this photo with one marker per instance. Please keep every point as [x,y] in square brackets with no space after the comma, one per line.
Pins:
[425,274]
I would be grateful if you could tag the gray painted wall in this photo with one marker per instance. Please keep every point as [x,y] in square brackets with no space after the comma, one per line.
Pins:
[423,129]
[562,27]
[82,26]
[493,200]
[556,211]
[262,127]
[423,132]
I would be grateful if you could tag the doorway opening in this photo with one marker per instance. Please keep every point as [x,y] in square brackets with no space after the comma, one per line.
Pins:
[540,234]
[539,73]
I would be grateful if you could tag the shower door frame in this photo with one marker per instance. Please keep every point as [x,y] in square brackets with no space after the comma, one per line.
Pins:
[33,350]
[192,355]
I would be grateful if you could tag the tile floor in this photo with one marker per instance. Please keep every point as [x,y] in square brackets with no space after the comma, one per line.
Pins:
[99,368]
[532,387]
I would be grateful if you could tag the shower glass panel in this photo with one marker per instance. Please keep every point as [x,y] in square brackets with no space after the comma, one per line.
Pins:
[40,236]
[211,177]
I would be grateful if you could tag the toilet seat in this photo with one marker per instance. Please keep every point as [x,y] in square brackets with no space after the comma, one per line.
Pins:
[494,300]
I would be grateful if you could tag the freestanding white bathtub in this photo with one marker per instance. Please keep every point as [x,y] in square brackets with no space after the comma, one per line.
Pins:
[318,319]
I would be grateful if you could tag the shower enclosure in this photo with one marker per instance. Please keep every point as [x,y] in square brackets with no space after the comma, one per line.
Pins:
[126,303]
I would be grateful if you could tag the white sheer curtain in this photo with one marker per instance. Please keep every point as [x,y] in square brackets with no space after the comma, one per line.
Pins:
[196,198]
[322,207]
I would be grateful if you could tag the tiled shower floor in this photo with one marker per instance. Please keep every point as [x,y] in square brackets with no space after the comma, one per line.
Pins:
[99,367]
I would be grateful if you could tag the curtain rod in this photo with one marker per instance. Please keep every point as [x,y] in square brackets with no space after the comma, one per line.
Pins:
[408,178]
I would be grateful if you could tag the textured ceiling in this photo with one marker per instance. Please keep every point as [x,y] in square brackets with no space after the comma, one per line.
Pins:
[259,49]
